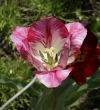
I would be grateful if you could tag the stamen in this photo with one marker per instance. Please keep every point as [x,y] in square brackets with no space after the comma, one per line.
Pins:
[48,57]
[49,50]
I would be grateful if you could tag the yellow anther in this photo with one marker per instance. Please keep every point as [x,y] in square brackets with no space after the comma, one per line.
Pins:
[49,50]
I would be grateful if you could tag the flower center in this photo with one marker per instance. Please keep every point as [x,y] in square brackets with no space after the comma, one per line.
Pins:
[49,57]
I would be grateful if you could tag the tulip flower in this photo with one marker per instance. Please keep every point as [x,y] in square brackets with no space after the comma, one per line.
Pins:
[49,45]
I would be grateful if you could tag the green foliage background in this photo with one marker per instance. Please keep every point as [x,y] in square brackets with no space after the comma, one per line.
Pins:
[16,73]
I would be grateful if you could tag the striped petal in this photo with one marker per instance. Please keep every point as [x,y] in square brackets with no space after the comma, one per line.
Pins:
[52,79]
[49,32]
[19,37]
[77,35]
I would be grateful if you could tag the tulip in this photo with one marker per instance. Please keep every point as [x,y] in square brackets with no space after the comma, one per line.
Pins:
[49,45]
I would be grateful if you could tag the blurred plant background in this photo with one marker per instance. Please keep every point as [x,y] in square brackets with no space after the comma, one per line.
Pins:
[16,73]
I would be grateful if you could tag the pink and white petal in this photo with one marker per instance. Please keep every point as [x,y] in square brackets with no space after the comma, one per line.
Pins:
[77,35]
[47,27]
[21,40]
[52,79]
[19,35]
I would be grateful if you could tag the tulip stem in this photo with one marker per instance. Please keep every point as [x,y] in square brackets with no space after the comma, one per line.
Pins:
[18,94]
[54,99]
